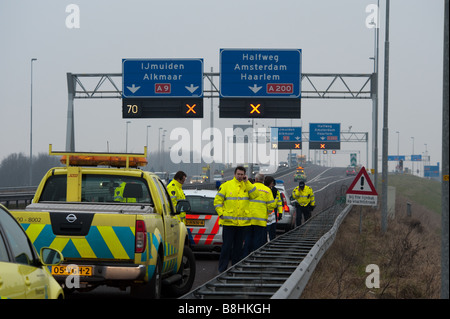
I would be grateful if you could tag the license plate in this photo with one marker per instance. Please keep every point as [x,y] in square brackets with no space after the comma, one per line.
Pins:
[195,222]
[73,270]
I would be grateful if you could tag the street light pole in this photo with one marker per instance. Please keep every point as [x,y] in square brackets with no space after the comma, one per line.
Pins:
[384,186]
[31,123]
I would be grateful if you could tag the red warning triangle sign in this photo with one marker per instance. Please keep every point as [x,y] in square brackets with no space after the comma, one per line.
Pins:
[362,185]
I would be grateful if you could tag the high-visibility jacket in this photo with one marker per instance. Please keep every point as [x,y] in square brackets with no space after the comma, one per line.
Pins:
[118,194]
[176,193]
[278,210]
[232,202]
[261,206]
[305,196]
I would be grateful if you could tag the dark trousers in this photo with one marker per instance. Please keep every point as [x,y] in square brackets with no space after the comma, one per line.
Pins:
[302,210]
[232,245]
[255,237]
[272,230]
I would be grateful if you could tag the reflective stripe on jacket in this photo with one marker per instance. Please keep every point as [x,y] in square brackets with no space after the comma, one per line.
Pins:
[232,202]
[279,209]
[304,197]
[262,205]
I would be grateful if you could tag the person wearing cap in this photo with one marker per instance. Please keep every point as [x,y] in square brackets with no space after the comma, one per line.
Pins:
[306,203]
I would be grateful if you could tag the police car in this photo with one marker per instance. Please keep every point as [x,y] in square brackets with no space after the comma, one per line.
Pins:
[203,221]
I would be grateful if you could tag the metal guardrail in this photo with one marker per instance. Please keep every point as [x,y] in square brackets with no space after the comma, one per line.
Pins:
[281,268]
[18,195]
[293,287]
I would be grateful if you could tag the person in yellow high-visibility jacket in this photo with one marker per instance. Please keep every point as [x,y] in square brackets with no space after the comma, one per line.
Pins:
[118,194]
[232,206]
[176,192]
[260,207]
[305,202]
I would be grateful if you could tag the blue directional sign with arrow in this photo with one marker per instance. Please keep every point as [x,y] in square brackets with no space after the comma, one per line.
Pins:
[268,73]
[162,78]
[285,138]
[324,136]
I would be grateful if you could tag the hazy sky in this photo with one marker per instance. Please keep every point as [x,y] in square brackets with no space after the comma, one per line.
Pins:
[332,34]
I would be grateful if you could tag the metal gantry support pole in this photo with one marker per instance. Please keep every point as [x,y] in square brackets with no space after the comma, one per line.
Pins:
[445,190]
[384,164]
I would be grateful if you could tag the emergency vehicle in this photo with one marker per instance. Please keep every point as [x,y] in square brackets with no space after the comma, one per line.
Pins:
[203,221]
[299,174]
[115,225]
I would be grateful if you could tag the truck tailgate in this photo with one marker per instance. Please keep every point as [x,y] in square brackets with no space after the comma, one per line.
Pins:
[82,235]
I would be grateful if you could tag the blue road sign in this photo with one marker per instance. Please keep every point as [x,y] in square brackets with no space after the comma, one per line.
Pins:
[324,132]
[268,73]
[396,158]
[159,78]
[416,158]
[431,171]
[286,137]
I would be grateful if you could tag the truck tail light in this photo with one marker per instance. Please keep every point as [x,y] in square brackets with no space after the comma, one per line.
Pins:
[141,237]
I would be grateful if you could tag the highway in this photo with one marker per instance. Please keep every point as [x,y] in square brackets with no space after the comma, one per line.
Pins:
[328,185]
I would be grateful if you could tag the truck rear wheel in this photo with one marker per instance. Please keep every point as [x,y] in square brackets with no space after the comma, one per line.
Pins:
[151,289]
[187,272]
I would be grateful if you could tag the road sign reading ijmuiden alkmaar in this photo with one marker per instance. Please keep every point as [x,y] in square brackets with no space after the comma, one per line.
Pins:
[260,73]
[162,78]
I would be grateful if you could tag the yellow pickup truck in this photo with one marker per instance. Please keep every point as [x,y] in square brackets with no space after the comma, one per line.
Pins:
[115,225]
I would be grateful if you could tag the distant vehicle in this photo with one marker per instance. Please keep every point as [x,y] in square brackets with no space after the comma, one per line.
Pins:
[196,179]
[23,274]
[255,169]
[300,174]
[203,221]
[217,177]
[283,164]
[351,170]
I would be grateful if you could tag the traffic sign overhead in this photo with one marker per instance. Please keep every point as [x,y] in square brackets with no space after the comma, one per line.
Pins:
[156,78]
[260,73]
[285,138]
[325,132]
[325,136]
